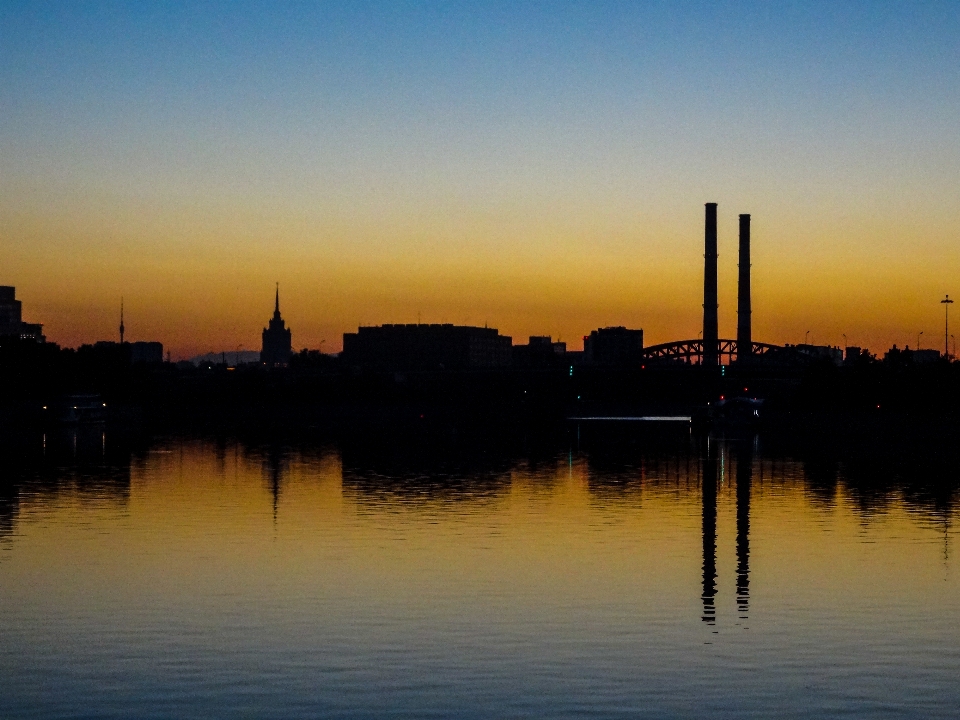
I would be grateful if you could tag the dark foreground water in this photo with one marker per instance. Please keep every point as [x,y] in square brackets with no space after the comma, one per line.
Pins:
[665,576]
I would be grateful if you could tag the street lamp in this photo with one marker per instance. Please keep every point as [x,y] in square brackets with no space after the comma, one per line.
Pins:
[946,302]
[918,339]
[805,337]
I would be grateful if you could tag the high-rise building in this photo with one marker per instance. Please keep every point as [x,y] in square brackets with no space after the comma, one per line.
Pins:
[11,318]
[10,311]
[277,344]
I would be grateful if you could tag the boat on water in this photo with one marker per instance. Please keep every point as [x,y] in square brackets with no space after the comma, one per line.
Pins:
[84,409]
[738,410]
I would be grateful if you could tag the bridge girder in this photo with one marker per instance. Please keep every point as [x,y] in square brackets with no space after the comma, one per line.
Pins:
[691,351]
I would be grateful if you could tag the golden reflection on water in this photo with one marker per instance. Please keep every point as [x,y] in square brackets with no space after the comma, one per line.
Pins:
[733,532]
[344,580]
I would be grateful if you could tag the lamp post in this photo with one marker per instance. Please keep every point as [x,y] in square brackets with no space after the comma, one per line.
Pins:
[946,302]
[918,339]
[805,337]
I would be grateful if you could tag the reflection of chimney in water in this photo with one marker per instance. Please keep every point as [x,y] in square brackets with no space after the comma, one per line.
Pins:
[744,478]
[709,493]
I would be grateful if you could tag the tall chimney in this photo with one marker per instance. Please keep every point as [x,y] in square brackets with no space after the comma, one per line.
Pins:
[711,349]
[744,335]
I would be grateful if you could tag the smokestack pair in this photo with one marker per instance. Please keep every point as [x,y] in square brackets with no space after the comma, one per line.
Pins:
[711,344]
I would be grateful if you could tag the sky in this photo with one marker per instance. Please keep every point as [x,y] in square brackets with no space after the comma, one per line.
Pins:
[540,168]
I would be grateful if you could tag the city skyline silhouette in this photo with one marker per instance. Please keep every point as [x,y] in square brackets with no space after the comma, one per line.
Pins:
[536,170]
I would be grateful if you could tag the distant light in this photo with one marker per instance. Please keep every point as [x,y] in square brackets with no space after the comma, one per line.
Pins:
[104,404]
[44,407]
[721,397]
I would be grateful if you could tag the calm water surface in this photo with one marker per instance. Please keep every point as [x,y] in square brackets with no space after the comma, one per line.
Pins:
[674,577]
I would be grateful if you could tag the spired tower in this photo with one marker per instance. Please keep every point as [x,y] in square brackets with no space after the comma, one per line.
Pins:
[277,345]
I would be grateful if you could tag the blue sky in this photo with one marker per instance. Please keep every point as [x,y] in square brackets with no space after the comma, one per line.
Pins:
[442,141]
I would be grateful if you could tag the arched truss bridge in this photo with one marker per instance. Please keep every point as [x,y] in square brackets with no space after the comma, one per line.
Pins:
[690,352]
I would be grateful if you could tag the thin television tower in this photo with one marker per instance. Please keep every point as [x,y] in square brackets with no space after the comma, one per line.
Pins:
[121,321]
[946,302]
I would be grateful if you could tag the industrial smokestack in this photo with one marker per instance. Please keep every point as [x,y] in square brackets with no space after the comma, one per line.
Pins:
[744,334]
[711,349]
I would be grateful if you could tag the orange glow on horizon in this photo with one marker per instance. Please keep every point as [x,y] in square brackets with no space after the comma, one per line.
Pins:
[206,291]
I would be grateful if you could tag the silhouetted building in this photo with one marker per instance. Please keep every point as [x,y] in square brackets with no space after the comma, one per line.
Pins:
[426,347]
[11,318]
[277,344]
[819,352]
[32,331]
[924,357]
[105,353]
[613,346]
[146,352]
[852,354]
[10,311]
[541,352]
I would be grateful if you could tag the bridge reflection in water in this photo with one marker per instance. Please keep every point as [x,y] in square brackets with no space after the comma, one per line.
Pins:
[713,455]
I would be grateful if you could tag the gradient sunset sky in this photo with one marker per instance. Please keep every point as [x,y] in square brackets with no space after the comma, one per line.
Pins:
[539,167]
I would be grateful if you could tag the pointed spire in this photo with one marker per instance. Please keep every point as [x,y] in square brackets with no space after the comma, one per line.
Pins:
[121,320]
[276,309]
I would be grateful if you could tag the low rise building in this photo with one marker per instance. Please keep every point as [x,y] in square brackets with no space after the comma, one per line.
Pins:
[416,347]
[539,353]
[613,346]
[146,352]
[826,353]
